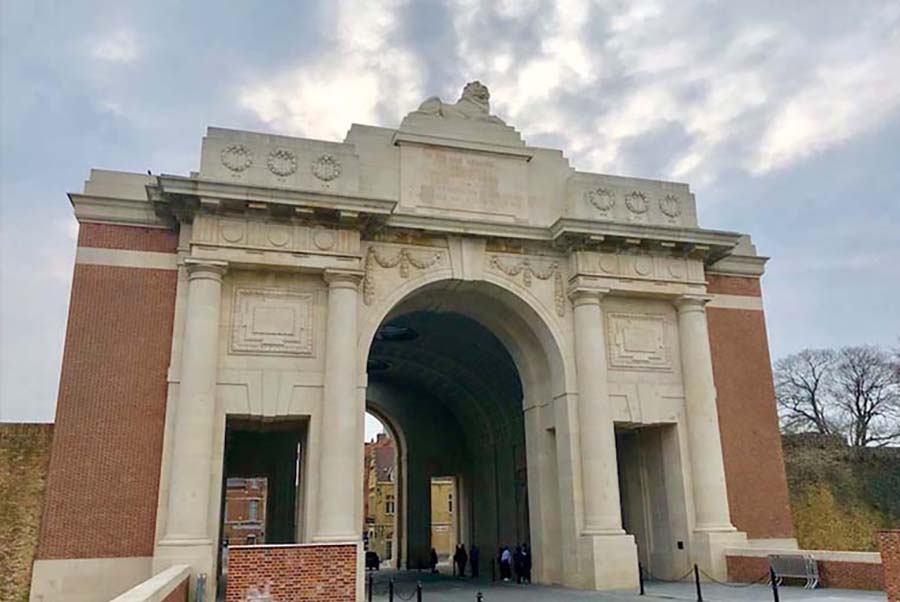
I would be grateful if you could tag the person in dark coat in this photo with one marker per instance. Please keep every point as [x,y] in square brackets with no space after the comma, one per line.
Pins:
[526,562]
[461,558]
[519,564]
[433,560]
[474,559]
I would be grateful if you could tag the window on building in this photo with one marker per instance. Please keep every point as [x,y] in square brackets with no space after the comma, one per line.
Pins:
[389,504]
[450,503]
[254,511]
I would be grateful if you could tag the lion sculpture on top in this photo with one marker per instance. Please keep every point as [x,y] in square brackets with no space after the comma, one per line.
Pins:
[474,103]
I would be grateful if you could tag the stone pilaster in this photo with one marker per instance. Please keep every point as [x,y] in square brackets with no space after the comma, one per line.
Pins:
[342,436]
[713,530]
[612,552]
[187,537]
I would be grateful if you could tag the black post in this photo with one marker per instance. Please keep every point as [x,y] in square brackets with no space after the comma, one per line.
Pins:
[640,577]
[493,570]
[391,590]
[370,587]
[419,591]
[479,597]
[774,579]
[697,582]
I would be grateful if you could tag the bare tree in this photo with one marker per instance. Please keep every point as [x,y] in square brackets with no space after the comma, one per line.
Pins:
[866,388]
[802,387]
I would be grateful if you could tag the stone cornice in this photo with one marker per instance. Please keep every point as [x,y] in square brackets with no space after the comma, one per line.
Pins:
[179,195]
[114,210]
[739,265]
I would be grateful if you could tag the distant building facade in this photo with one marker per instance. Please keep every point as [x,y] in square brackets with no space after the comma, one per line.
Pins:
[244,519]
[381,497]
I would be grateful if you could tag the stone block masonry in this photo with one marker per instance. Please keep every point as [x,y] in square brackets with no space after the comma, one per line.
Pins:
[293,573]
[890,563]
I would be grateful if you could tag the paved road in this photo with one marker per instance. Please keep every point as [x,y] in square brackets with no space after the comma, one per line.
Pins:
[439,588]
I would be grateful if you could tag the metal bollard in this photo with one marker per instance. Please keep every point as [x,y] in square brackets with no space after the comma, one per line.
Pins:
[641,577]
[493,570]
[479,597]
[391,590]
[774,579]
[201,586]
[370,587]
[697,583]
[419,591]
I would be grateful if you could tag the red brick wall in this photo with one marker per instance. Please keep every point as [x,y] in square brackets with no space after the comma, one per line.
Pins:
[325,573]
[832,573]
[751,442]
[104,468]
[105,236]
[890,563]
[179,594]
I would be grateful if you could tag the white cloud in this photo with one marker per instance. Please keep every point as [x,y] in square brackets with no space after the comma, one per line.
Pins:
[116,47]
[364,71]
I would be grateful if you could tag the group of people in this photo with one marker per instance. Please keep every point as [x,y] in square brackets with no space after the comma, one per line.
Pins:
[518,562]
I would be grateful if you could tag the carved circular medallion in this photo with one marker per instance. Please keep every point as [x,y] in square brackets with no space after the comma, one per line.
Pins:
[636,202]
[326,168]
[643,265]
[282,162]
[601,198]
[237,157]
[278,234]
[670,205]
[324,239]
[609,263]
[676,268]
[232,232]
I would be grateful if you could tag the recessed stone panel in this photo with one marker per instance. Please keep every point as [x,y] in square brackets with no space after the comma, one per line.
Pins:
[272,322]
[637,342]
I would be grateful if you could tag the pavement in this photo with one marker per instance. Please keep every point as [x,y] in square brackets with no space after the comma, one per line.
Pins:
[443,588]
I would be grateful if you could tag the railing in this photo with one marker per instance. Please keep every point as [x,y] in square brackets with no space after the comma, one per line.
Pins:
[162,587]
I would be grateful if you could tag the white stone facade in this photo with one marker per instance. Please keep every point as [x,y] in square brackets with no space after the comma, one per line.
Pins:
[293,252]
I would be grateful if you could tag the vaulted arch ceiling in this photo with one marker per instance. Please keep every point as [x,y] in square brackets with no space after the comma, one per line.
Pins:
[459,362]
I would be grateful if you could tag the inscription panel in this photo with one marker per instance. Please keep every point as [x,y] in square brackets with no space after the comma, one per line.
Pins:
[272,322]
[637,342]
[486,184]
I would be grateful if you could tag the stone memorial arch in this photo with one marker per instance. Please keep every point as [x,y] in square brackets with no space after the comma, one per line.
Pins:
[587,362]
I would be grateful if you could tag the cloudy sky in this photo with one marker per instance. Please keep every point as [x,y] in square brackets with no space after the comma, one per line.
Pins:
[784,117]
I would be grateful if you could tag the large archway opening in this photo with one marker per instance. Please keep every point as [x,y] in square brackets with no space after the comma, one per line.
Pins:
[463,378]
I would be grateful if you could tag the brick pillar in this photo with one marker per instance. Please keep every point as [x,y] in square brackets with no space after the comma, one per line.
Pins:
[890,563]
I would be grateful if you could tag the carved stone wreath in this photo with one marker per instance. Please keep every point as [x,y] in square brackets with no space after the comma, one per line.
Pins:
[601,198]
[326,168]
[282,162]
[237,157]
[404,259]
[528,272]
[670,205]
[636,202]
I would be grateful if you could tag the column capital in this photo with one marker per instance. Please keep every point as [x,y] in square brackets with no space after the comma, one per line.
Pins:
[343,278]
[205,269]
[694,302]
[583,295]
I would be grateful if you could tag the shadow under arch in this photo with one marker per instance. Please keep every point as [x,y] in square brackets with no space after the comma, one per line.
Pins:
[532,336]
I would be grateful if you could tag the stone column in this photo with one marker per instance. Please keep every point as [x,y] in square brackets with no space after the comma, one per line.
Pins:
[608,555]
[602,506]
[342,436]
[707,467]
[188,510]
